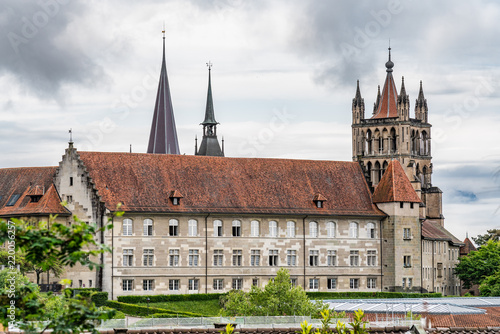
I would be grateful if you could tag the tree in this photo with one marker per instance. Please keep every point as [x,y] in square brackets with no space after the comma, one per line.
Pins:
[478,265]
[24,266]
[491,285]
[278,297]
[493,234]
[46,246]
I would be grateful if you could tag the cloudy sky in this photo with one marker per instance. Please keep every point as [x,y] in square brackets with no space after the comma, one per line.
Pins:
[284,75]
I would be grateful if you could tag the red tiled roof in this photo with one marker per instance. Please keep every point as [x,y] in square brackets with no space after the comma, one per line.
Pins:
[433,230]
[387,106]
[467,247]
[26,182]
[395,186]
[143,182]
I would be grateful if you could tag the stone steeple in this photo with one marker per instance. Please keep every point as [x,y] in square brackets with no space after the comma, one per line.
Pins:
[421,106]
[387,105]
[209,144]
[163,136]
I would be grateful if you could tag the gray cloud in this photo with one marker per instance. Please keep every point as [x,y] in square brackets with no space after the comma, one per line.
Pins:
[37,49]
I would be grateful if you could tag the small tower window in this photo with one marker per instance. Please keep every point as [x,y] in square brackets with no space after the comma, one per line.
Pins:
[71,180]
[175,197]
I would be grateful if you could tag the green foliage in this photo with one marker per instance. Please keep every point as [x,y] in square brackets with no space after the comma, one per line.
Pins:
[368,295]
[478,265]
[20,259]
[326,322]
[228,330]
[207,308]
[412,316]
[493,234]
[491,285]
[169,298]
[278,297]
[306,328]
[144,311]
[47,246]
[358,325]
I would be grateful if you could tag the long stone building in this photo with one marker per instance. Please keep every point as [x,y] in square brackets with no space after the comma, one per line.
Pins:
[206,223]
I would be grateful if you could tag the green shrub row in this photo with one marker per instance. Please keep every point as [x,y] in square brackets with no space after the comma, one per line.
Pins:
[145,311]
[82,291]
[99,298]
[370,295]
[169,298]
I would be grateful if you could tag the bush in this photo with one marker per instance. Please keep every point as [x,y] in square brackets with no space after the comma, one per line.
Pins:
[169,298]
[370,295]
[99,298]
[144,311]
[85,292]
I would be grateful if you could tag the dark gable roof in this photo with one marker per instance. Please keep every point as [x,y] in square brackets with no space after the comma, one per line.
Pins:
[27,182]
[395,186]
[433,230]
[144,182]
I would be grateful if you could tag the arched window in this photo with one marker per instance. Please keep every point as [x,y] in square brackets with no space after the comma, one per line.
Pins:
[173,227]
[236,228]
[254,228]
[273,229]
[217,228]
[378,173]
[313,229]
[330,229]
[127,227]
[384,168]
[369,142]
[370,230]
[394,147]
[290,229]
[353,230]
[148,227]
[192,228]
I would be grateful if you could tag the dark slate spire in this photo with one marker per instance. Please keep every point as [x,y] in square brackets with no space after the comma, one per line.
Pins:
[163,136]
[210,144]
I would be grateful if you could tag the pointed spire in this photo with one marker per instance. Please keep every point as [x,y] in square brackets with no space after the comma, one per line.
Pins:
[421,106]
[209,144]
[209,110]
[377,101]
[387,106]
[403,97]
[163,136]
[358,100]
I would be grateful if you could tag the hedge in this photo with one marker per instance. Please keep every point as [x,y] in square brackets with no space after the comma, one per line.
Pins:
[82,291]
[99,298]
[369,295]
[169,298]
[137,310]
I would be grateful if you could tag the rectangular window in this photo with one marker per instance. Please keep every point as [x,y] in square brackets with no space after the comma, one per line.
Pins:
[407,261]
[218,257]
[353,230]
[313,284]
[237,283]
[193,257]
[354,283]
[173,285]
[354,258]
[237,254]
[255,281]
[290,229]
[147,285]
[371,258]
[313,258]
[371,283]
[128,284]
[217,228]
[407,233]
[332,258]
[273,229]
[90,283]
[236,228]
[370,231]
[291,257]
[193,284]
[71,181]
[410,282]
[439,270]
[148,227]
[218,284]
[192,228]
[127,227]
[273,257]
[173,227]
[331,283]
[404,283]
[255,257]
[254,228]
[13,199]
[293,282]
[147,257]
[173,257]
[128,257]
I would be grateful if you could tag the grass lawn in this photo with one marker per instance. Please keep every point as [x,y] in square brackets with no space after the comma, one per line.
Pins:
[208,308]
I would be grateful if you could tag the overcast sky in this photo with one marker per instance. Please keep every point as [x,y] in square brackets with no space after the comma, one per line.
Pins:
[283,78]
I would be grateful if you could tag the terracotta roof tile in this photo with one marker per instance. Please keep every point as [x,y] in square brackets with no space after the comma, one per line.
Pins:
[239,185]
[433,230]
[24,183]
[467,247]
[395,186]
[387,106]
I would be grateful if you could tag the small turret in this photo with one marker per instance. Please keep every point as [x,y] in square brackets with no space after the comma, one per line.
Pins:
[421,106]
[403,102]
[377,101]
[358,107]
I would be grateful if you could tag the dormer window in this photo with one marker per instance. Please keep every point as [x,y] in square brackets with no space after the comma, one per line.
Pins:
[35,193]
[318,200]
[175,197]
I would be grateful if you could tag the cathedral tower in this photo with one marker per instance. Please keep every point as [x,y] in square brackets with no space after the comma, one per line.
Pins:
[163,136]
[209,144]
[392,134]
